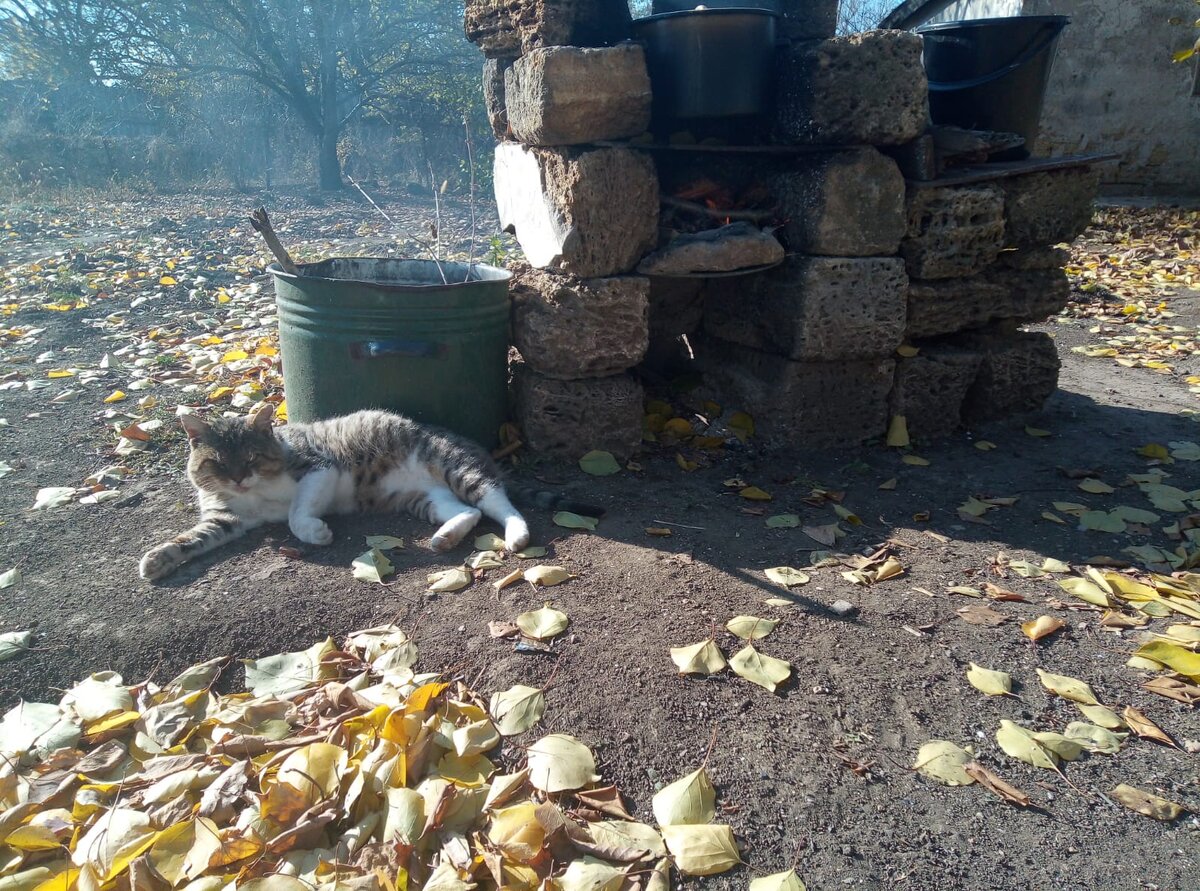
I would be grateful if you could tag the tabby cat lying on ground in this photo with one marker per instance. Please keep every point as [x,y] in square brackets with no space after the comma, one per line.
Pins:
[247,474]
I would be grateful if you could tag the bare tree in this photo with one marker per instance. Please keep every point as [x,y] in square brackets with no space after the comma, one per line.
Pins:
[327,60]
[58,40]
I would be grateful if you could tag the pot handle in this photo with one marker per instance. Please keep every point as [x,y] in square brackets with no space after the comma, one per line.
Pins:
[391,349]
[1047,38]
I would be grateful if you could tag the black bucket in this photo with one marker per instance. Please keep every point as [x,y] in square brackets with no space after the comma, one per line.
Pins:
[991,74]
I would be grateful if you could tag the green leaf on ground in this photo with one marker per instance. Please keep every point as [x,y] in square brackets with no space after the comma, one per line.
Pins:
[599,463]
[372,566]
[569,520]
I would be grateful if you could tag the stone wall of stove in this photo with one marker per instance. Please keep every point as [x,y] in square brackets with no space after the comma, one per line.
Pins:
[895,297]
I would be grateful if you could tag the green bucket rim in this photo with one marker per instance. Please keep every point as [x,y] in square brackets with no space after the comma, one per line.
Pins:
[494,274]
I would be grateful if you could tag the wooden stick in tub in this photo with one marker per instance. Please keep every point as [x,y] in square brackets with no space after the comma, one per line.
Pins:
[262,225]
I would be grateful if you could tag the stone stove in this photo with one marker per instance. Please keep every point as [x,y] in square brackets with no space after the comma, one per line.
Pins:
[891,284]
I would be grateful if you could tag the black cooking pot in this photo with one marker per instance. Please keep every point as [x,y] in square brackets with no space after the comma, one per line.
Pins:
[709,63]
[682,5]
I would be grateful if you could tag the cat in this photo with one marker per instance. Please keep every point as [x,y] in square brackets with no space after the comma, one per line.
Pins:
[247,473]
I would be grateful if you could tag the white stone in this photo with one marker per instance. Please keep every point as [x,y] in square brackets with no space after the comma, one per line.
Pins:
[523,206]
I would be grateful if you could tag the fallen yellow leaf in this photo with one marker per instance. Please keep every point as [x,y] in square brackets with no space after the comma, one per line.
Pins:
[754,493]
[1042,626]
[897,436]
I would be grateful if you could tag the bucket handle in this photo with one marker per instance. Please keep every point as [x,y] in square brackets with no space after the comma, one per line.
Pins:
[390,349]
[1034,50]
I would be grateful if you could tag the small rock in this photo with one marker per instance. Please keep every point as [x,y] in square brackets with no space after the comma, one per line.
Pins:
[725,249]
[843,608]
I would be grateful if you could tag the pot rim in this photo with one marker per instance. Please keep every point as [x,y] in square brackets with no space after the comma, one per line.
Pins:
[970,23]
[720,10]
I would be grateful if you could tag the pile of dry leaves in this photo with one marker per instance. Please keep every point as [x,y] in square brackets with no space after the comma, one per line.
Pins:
[338,767]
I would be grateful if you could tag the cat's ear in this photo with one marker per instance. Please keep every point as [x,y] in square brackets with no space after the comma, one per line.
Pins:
[261,419]
[194,427]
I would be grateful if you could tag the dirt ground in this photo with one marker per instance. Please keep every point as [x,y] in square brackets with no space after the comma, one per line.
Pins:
[817,774]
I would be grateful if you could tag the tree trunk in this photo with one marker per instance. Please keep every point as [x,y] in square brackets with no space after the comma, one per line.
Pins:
[329,167]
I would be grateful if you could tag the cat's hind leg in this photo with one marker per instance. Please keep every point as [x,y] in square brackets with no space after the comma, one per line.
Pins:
[315,495]
[456,518]
[211,532]
[495,505]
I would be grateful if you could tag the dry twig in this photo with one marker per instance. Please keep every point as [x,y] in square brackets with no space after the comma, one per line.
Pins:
[262,225]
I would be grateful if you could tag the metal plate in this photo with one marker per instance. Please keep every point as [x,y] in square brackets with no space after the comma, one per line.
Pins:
[733,273]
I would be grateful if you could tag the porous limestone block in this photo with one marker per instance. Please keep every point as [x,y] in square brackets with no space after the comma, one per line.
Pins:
[508,28]
[807,404]
[867,88]
[1033,294]
[569,328]
[808,19]
[1050,207]
[930,388]
[1034,258]
[567,95]
[951,305]
[842,204]
[953,230]
[1019,372]
[1001,292]
[815,309]
[584,212]
[493,96]
[571,418]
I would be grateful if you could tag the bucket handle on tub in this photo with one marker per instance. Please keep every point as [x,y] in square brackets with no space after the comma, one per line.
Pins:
[1035,49]
[390,349]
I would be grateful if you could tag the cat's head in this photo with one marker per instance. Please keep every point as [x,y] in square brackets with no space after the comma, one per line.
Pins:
[233,455]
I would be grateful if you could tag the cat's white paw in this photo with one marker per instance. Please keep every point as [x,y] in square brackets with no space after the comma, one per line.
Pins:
[311,530]
[443,542]
[454,530]
[160,561]
[516,535]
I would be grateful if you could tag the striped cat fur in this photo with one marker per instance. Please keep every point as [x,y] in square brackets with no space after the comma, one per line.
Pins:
[247,473]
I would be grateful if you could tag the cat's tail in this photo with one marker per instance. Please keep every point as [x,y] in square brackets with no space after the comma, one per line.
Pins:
[527,496]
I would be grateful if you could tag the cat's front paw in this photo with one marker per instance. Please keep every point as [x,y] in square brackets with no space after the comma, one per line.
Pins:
[160,561]
[444,541]
[516,535]
[311,530]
